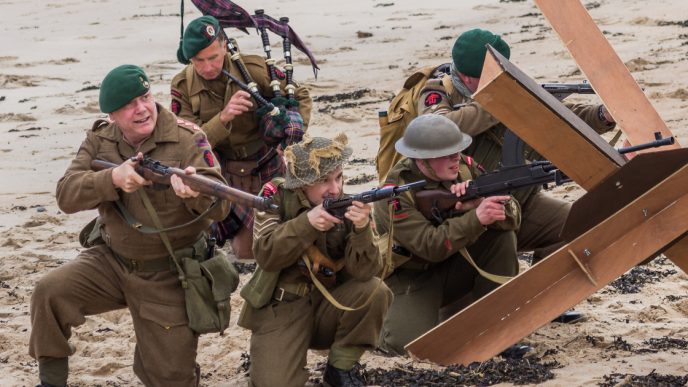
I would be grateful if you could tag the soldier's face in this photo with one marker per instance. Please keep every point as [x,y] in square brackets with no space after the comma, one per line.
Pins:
[137,118]
[470,82]
[329,186]
[446,168]
[208,62]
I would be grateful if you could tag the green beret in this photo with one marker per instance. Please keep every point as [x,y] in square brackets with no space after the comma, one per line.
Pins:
[120,86]
[197,36]
[469,50]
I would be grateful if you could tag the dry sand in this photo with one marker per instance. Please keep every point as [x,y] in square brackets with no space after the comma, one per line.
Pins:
[54,55]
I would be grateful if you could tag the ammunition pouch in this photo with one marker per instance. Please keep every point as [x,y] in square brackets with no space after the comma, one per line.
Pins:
[259,290]
[242,175]
[208,286]
[91,235]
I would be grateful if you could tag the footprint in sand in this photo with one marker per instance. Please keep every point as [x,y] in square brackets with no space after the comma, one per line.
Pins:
[19,117]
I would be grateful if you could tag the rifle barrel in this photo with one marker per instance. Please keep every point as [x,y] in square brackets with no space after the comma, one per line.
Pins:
[652,144]
[158,173]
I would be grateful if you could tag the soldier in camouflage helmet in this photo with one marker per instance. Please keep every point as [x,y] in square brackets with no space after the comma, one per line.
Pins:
[429,270]
[283,309]
[450,96]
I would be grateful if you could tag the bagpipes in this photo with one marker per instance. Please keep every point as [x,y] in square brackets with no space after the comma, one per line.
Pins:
[279,119]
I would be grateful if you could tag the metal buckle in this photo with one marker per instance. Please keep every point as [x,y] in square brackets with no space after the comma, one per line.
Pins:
[134,264]
[281,295]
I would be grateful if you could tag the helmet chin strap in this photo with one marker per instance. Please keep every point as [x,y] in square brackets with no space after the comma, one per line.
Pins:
[428,167]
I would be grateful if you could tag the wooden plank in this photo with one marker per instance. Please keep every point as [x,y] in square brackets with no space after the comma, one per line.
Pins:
[605,71]
[635,178]
[557,133]
[678,253]
[531,300]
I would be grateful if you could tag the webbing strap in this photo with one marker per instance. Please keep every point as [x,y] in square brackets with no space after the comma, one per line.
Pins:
[329,297]
[500,279]
[126,215]
[163,235]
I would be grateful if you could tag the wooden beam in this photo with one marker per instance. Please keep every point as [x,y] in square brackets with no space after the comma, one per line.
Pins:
[544,122]
[605,71]
[531,300]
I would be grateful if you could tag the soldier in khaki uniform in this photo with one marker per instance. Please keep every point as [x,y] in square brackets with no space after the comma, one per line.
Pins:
[129,269]
[202,94]
[450,96]
[286,314]
[429,271]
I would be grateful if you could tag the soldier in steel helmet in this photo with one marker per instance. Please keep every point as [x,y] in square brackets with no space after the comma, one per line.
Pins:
[451,97]
[429,270]
[283,309]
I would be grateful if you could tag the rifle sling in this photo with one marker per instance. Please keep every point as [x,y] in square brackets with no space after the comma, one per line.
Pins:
[500,279]
[129,218]
[329,297]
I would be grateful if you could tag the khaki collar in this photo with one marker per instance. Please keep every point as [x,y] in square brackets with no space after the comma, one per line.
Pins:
[199,84]
[164,131]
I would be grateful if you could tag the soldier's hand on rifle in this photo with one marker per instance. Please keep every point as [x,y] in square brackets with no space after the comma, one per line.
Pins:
[491,209]
[322,220]
[182,190]
[125,177]
[459,190]
[358,213]
[239,103]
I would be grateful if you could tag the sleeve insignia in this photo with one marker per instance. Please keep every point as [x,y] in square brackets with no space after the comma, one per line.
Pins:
[202,142]
[175,107]
[432,99]
[176,93]
[209,158]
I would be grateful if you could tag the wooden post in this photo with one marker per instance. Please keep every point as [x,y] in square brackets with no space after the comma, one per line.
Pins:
[605,71]
[544,122]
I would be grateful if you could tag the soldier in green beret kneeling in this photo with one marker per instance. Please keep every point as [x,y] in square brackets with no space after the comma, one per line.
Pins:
[294,300]
[123,267]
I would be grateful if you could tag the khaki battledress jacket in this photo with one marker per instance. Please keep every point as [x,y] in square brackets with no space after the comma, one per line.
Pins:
[423,239]
[239,138]
[174,143]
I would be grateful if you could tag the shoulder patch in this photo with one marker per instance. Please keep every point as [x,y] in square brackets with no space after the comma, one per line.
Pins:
[433,98]
[175,106]
[100,124]
[209,158]
[188,125]
[269,190]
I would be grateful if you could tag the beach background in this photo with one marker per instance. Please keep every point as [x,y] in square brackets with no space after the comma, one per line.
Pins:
[55,54]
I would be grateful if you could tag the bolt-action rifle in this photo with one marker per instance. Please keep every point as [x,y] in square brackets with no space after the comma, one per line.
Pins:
[436,205]
[337,207]
[158,173]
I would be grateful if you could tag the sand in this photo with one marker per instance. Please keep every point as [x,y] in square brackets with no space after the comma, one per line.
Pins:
[54,55]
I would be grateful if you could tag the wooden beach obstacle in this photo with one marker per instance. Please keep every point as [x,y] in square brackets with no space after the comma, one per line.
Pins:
[633,210]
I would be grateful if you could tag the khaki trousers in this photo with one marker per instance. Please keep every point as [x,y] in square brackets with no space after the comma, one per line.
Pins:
[96,282]
[420,294]
[542,220]
[284,331]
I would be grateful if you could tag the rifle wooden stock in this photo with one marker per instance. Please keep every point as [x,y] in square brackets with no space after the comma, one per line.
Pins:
[434,203]
[161,174]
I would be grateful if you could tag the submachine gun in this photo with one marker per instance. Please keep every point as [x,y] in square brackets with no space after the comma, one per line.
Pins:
[337,207]
[436,204]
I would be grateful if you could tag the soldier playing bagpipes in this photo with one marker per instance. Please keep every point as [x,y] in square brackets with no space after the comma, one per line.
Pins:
[244,130]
